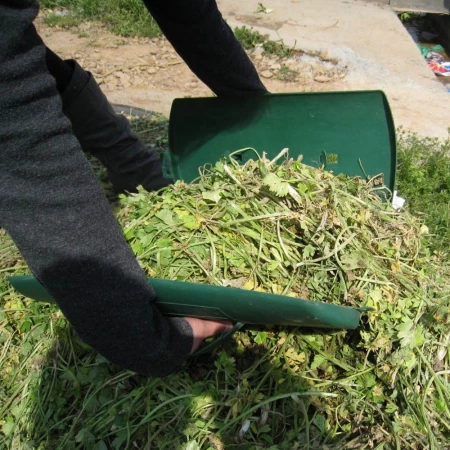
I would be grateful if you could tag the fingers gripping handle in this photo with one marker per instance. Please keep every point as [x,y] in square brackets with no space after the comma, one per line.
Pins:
[208,348]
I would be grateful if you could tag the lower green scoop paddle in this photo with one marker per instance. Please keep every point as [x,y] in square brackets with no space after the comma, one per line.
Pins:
[240,306]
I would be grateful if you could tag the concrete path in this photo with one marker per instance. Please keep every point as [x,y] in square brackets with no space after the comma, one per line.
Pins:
[428,6]
[370,40]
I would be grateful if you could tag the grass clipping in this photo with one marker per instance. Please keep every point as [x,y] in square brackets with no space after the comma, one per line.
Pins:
[300,231]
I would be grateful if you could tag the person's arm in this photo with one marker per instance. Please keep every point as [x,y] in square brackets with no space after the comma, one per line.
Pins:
[53,207]
[207,44]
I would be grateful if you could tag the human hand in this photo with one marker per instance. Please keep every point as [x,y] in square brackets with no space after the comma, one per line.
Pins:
[203,329]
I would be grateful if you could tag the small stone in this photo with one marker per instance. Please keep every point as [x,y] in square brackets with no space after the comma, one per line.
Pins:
[292,22]
[291,63]
[77,56]
[322,79]
[276,66]
[318,69]
[258,51]
[153,52]
[151,70]
[266,74]
[258,57]
[97,51]
[324,54]
[124,79]
[305,78]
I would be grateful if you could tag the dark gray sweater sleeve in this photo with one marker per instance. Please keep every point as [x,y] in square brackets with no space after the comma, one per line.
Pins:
[53,207]
[200,35]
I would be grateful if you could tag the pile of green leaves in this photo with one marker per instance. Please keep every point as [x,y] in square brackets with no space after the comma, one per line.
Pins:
[285,228]
[299,231]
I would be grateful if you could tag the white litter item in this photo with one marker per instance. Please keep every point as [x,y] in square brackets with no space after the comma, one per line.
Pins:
[397,202]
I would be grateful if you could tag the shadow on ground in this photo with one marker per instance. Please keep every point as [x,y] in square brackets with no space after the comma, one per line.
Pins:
[83,402]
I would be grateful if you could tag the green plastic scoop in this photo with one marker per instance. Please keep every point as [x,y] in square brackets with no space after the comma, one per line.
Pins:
[177,298]
[346,132]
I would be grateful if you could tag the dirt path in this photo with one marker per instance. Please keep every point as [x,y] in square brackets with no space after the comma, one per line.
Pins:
[343,45]
[147,73]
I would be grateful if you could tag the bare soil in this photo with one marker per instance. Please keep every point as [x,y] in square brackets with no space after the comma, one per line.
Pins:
[148,73]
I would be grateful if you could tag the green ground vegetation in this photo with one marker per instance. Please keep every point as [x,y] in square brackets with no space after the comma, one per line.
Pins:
[423,178]
[131,18]
[285,73]
[123,17]
[271,389]
[250,39]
